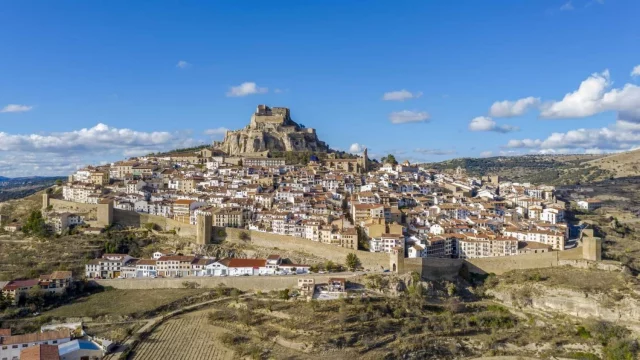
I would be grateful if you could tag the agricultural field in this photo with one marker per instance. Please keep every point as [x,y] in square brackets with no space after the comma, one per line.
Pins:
[186,337]
[266,326]
[124,303]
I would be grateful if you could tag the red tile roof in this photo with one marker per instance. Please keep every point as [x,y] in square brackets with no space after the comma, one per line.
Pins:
[40,352]
[36,337]
[237,263]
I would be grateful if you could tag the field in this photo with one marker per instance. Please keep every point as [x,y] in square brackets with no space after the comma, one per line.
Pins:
[622,164]
[123,303]
[186,337]
[266,327]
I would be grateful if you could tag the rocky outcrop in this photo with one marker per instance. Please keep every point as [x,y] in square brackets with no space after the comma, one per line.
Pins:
[613,307]
[271,130]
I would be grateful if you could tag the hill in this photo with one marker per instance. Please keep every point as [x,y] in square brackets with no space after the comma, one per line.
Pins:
[547,169]
[621,164]
[16,188]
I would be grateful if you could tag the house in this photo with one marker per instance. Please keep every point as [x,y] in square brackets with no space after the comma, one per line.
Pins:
[56,282]
[12,227]
[199,266]
[11,346]
[40,352]
[337,285]
[307,286]
[108,267]
[146,268]
[589,204]
[80,350]
[175,265]
[239,267]
[16,288]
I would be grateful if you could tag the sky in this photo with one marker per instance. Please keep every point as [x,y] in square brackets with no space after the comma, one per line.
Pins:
[91,82]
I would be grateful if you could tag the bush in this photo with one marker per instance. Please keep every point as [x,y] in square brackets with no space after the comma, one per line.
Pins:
[190,285]
[244,236]
[284,294]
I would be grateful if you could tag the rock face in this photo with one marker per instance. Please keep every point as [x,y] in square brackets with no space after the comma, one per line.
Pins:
[624,310]
[270,129]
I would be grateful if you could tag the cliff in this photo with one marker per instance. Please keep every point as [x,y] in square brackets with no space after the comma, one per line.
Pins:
[271,129]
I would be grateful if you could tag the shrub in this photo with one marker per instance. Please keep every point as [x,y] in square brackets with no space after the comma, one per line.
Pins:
[190,285]
[244,236]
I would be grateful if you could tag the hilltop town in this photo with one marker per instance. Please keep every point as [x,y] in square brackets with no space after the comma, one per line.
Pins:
[288,216]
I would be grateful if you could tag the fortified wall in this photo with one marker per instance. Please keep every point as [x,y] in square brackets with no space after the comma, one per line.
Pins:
[100,215]
[369,260]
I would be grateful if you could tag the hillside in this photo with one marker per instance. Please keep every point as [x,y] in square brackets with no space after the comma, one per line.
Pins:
[621,164]
[548,169]
[17,188]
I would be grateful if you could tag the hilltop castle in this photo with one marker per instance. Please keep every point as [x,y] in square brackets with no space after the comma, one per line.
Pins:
[270,129]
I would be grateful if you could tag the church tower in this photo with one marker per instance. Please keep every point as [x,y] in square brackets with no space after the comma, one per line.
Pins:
[364,161]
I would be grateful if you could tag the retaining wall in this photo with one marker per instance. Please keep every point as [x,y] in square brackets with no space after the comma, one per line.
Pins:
[244,283]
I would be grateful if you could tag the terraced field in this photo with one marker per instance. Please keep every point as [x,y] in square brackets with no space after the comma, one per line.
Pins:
[185,337]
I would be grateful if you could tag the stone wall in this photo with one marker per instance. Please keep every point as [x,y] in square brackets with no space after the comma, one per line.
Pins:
[433,268]
[134,219]
[244,283]
[336,254]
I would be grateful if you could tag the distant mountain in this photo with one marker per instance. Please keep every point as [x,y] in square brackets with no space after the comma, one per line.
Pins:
[16,188]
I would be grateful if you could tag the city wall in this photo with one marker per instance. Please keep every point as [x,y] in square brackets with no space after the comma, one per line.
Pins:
[134,219]
[244,283]
[433,268]
[336,254]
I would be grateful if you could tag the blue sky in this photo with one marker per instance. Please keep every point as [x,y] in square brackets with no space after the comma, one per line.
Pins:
[159,74]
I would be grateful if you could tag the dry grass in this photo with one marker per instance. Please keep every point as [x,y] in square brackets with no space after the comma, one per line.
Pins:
[622,164]
[116,302]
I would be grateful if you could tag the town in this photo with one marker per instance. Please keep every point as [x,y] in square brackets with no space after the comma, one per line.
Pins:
[275,178]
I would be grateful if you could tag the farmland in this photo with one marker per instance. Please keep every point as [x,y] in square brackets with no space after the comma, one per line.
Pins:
[133,303]
[186,337]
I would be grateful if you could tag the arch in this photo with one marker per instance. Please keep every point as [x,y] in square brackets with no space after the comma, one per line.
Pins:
[394,268]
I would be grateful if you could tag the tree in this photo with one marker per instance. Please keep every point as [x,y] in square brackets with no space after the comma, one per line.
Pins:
[244,236]
[58,182]
[352,261]
[329,265]
[35,224]
[389,159]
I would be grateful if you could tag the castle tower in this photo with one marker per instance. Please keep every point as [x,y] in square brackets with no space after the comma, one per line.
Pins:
[396,260]
[591,248]
[364,161]
[45,200]
[105,213]
[204,226]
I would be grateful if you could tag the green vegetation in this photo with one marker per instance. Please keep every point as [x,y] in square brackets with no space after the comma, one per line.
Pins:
[537,169]
[303,157]
[389,159]
[352,261]
[35,225]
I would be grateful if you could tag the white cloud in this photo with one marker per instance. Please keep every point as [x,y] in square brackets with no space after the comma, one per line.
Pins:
[485,123]
[486,154]
[636,71]
[593,97]
[525,143]
[15,108]
[183,64]
[508,108]
[400,95]
[61,153]
[407,116]
[217,131]
[622,135]
[246,88]
[356,148]
[99,137]
[566,6]
[437,152]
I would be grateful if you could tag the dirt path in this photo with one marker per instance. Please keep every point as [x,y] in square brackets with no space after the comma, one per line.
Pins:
[156,321]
